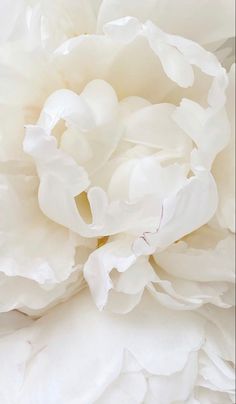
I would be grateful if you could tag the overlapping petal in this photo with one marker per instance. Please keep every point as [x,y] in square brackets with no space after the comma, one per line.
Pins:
[77,324]
[37,259]
[183,18]
[153,349]
[122,180]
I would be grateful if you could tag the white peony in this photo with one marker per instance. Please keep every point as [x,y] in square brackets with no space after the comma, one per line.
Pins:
[117,199]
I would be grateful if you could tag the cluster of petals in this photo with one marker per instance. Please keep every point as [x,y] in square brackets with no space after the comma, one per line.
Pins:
[117,221]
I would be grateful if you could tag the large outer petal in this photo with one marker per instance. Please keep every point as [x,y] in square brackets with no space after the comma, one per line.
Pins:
[93,350]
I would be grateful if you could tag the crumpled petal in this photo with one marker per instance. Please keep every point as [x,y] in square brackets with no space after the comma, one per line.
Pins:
[65,104]
[84,111]
[42,263]
[176,54]
[125,47]
[202,276]
[175,65]
[208,128]
[183,204]
[62,180]
[116,254]
[36,279]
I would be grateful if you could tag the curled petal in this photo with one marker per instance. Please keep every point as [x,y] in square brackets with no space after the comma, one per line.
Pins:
[183,204]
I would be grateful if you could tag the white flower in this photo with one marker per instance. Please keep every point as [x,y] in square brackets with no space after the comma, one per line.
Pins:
[116,173]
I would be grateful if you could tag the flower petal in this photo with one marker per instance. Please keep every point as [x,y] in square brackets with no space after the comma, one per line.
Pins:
[215,19]
[77,324]
[183,204]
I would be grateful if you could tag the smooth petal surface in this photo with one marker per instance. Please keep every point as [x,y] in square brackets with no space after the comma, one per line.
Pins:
[76,325]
